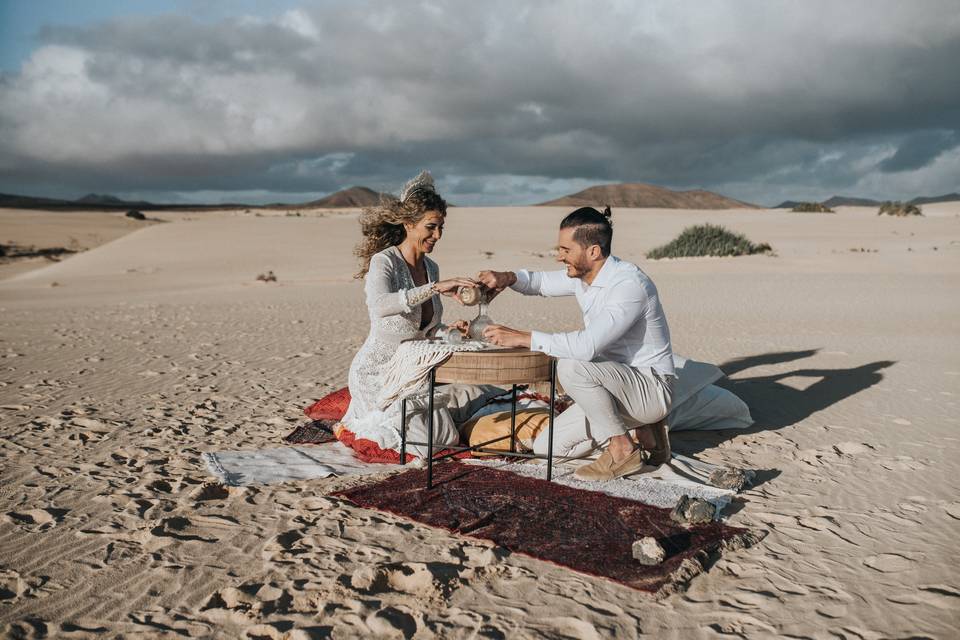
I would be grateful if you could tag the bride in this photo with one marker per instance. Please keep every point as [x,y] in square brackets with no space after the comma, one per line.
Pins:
[403,289]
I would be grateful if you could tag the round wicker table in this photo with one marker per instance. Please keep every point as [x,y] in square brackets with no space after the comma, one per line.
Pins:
[496,366]
[492,366]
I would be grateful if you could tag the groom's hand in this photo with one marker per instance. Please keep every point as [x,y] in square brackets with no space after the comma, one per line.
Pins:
[506,337]
[496,281]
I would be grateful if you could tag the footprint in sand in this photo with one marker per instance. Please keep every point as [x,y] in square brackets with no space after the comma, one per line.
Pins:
[230,598]
[742,625]
[852,448]
[27,628]
[889,563]
[37,519]
[271,632]
[953,510]
[210,491]
[390,621]
[165,531]
[832,611]
[817,523]
[257,598]
[12,586]
[937,595]
[414,578]
[903,463]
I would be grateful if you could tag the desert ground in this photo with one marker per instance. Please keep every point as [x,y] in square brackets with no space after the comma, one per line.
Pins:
[121,364]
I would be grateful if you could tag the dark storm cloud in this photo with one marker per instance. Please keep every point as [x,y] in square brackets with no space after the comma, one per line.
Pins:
[920,150]
[499,101]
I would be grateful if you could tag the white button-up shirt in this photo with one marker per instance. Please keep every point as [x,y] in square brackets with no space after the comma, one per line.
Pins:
[622,317]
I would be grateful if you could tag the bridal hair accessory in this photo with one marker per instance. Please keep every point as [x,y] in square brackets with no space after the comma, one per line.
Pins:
[423,182]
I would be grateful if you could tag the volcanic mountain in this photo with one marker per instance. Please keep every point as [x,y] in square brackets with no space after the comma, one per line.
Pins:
[354,197]
[641,195]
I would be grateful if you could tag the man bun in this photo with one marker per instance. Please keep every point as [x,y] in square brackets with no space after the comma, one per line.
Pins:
[591,228]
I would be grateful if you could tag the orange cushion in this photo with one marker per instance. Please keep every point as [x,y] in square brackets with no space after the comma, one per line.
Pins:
[495,425]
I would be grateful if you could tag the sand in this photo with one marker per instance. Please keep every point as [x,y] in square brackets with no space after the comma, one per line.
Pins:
[158,345]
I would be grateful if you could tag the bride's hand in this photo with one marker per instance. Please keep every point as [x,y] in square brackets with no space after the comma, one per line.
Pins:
[450,286]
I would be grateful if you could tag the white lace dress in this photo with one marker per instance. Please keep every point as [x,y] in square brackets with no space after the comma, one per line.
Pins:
[395,304]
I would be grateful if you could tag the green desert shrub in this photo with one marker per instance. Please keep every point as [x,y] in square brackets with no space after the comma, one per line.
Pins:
[899,209]
[812,207]
[707,240]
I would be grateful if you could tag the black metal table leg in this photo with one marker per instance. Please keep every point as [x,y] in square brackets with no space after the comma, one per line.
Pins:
[513,421]
[553,395]
[433,381]
[431,427]
[403,431]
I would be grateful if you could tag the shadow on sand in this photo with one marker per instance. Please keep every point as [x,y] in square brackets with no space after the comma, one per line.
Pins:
[775,405]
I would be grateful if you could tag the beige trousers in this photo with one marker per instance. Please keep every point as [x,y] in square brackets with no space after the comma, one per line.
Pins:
[610,399]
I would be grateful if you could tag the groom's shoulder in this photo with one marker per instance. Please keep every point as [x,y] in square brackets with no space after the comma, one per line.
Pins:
[629,272]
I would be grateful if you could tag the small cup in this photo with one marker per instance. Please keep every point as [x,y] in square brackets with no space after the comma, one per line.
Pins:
[452,335]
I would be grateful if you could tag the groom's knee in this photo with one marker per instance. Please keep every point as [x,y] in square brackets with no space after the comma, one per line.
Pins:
[570,373]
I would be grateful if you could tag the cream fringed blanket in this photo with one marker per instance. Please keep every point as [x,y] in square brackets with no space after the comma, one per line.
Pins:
[410,366]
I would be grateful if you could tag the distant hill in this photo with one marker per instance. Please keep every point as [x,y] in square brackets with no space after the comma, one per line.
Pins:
[639,195]
[96,198]
[835,201]
[852,201]
[354,197]
[104,200]
[947,197]
[89,201]
[12,201]
[849,201]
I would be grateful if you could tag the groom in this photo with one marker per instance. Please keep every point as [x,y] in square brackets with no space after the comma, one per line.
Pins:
[618,368]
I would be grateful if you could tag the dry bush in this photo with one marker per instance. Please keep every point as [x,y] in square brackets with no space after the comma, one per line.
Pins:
[812,207]
[899,209]
[707,240]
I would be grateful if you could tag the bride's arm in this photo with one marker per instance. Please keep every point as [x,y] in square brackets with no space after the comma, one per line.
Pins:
[383,298]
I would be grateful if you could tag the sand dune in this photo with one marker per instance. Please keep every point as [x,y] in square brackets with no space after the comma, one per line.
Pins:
[160,345]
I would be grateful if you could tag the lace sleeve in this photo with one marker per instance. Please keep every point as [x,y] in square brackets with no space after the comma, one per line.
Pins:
[419,295]
[384,297]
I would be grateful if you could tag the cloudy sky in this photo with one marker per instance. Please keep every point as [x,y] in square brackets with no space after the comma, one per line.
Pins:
[506,102]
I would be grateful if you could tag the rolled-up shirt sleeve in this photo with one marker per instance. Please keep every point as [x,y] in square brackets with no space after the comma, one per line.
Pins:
[626,306]
[544,283]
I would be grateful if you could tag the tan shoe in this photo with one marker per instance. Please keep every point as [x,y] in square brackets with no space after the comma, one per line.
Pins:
[661,453]
[604,468]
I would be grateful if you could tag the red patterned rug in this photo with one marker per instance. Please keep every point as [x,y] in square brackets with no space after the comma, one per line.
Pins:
[586,531]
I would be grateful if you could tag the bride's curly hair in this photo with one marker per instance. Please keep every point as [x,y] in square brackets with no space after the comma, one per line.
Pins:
[382,226]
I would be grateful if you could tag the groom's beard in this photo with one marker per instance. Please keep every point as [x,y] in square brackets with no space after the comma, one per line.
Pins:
[577,269]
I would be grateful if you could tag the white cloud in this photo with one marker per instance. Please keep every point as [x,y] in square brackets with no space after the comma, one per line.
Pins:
[300,23]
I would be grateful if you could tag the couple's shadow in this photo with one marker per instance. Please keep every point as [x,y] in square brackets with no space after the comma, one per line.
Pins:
[775,405]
